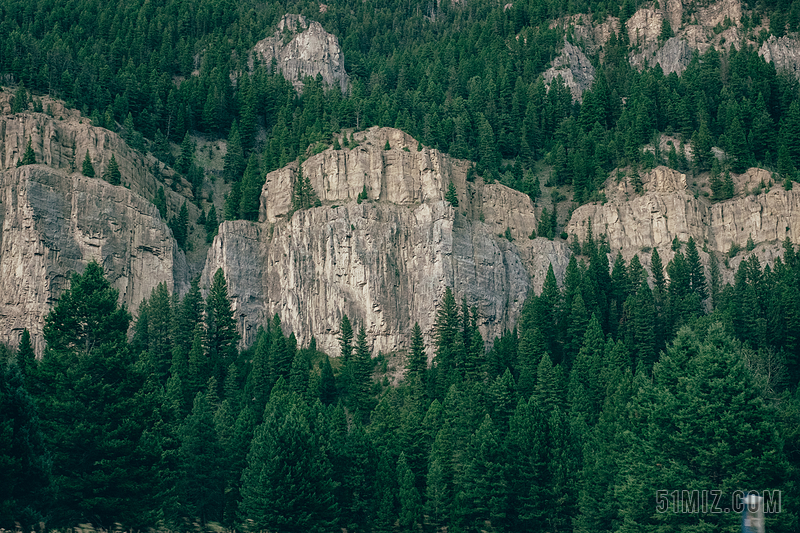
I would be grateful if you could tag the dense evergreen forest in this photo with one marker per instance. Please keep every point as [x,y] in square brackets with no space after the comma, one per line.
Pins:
[608,391]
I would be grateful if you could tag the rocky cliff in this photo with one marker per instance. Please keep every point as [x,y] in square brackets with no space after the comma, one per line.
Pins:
[635,224]
[386,261]
[56,220]
[301,48]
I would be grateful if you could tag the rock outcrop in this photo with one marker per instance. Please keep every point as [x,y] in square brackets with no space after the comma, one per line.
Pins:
[783,52]
[386,261]
[56,220]
[54,223]
[574,68]
[634,224]
[301,48]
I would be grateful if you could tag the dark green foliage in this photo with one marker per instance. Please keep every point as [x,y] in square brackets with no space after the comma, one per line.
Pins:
[303,194]
[221,333]
[23,457]
[451,195]
[286,485]
[90,398]
[456,449]
[180,226]
[211,224]
[87,169]
[251,190]
[185,159]
[29,158]
[112,174]
[160,201]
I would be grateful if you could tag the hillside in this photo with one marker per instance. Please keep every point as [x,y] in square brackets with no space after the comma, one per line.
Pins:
[387,267]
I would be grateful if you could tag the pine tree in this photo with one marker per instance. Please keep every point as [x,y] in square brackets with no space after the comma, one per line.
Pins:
[361,372]
[88,169]
[221,333]
[211,224]
[697,277]
[410,500]
[234,164]
[740,152]
[112,173]
[160,201]
[286,485]
[94,431]
[251,190]
[451,195]
[185,159]
[418,359]
[26,491]
[233,201]
[201,483]
[26,357]
[29,158]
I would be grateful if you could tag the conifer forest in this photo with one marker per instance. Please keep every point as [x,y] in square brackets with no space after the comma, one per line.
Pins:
[619,388]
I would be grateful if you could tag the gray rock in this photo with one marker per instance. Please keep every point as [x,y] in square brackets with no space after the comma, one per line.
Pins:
[783,52]
[302,49]
[574,68]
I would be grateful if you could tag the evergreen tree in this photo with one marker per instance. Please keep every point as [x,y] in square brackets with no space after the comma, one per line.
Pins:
[87,169]
[112,173]
[697,277]
[160,201]
[233,201]
[94,430]
[418,359]
[185,159]
[221,333]
[29,157]
[26,492]
[286,485]
[211,224]
[451,195]
[360,374]
[26,357]
[201,481]
[251,190]
[410,500]
[235,163]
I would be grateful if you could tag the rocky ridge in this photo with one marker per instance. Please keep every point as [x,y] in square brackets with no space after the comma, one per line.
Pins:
[301,48]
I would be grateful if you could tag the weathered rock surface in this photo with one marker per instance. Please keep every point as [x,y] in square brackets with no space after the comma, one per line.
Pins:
[301,48]
[56,220]
[698,28]
[54,223]
[386,261]
[783,52]
[574,68]
[667,210]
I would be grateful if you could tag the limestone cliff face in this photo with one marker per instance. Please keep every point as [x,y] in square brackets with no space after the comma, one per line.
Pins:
[301,48]
[61,141]
[56,220]
[386,261]
[54,223]
[783,52]
[635,224]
